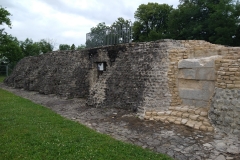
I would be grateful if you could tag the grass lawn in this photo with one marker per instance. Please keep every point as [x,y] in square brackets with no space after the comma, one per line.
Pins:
[31,131]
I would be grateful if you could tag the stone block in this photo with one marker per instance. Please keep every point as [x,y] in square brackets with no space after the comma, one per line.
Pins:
[190,123]
[204,113]
[184,109]
[194,117]
[197,63]
[184,121]
[147,117]
[163,118]
[187,73]
[174,113]
[203,128]
[177,122]
[185,115]
[171,119]
[179,114]
[148,113]
[197,112]
[160,113]
[210,129]
[207,124]
[196,94]
[205,74]
[168,112]
[154,113]
[157,118]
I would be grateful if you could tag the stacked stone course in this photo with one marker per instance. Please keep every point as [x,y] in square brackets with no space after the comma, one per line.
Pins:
[228,72]
[185,115]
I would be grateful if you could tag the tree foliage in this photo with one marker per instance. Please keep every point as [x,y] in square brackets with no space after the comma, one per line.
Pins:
[4,17]
[151,22]
[215,21]
[64,47]
[118,32]
[82,46]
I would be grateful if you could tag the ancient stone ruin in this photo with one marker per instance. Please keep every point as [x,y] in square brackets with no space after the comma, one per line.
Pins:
[193,83]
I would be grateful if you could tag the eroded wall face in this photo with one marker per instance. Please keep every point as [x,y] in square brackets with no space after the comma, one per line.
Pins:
[136,80]
[61,73]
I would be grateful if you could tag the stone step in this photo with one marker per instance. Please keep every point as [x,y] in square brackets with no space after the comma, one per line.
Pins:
[196,118]
[200,125]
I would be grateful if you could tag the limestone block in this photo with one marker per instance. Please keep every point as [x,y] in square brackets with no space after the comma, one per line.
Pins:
[210,129]
[154,113]
[203,128]
[185,115]
[172,108]
[193,117]
[207,123]
[148,113]
[171,119]
[233,69]
[178,108]
[162,118]
[184,109]
[191,111]
[184,121]
[197,63]
[179,114]
[157,118]
[204,113]
[147,117]
[177,122]
[190,123]
[196,126]
[198,112]
[168,113]
[196,94]
[160,113]
[174,113]
[187,73]
[191,84]
[197,73]
[205,74]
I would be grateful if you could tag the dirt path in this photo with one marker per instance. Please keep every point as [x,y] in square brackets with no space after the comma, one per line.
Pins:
[180,142]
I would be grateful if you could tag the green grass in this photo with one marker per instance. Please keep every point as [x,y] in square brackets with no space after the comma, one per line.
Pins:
[30,131]
[2,78]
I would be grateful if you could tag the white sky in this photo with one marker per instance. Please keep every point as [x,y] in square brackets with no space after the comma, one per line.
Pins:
[67,21]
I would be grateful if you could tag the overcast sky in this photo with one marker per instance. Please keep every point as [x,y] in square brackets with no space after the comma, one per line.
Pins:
[67,21]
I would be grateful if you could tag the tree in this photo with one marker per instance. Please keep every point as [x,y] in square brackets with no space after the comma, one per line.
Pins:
[10,49]
[45,45]
[4,17]
[215,21]
[9,46]
[73,47]
[121,31]
[97,36]
[64,47]
[30,48]
[151,22]
[82,46]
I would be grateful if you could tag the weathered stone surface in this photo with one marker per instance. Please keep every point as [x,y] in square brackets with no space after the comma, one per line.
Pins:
[197,73]
[197,63]
[224,113]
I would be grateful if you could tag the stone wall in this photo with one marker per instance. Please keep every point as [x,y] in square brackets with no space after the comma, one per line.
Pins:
[194,83]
